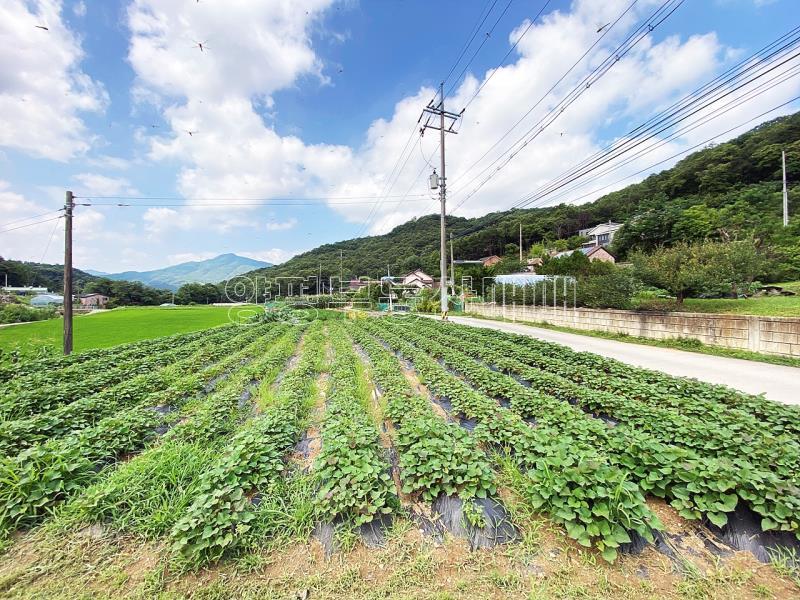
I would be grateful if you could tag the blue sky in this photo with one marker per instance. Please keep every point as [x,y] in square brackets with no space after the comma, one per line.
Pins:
[314,100]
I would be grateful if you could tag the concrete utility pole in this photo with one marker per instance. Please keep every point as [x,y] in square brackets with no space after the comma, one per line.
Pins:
[452,265]
[520,242]
[446,122]
[785,192]
[70,204]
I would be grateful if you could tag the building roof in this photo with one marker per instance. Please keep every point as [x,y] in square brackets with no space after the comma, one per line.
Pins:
[587,250]
[600,229]
[47,298]
[526,278]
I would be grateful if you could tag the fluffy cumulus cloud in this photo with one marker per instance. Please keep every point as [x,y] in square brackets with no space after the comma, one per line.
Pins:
[43,91]
[214,99]
[649,78]
[34,229]
[95,184]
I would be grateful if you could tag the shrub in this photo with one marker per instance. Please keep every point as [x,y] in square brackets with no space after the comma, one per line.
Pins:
[19,313]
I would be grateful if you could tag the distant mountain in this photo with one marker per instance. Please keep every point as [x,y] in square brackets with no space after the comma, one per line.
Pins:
[95,273]
[212,270]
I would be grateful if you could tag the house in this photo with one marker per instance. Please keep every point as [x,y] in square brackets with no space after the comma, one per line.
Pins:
[600,235]
[47,300]
[490,261]
[94,300]
[357,284]
[593,253]
[532,263]
[418,279]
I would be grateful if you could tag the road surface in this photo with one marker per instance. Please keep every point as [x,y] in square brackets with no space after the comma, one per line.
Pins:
[776,382]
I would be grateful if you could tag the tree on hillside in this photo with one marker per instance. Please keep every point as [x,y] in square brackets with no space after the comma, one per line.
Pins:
[676,269]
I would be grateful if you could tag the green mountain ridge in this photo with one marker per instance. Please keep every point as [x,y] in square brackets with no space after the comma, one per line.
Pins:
[224,266]
[724,191]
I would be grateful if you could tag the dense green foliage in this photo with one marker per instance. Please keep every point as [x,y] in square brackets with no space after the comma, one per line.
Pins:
[24,273]
[20,313]
[727,191]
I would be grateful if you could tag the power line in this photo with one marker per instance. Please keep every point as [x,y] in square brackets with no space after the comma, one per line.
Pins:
[30,224]
[478,49]
[544,96]
[235,199]
[49,212]
[668,7]
[687,150]
[426,198]
[475,31]
[510,50]
[493,220]
[628,142]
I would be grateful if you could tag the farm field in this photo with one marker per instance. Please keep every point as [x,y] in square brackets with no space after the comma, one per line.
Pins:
[327,457]
[118,326]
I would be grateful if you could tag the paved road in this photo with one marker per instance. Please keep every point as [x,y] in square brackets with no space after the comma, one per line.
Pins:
[775,381]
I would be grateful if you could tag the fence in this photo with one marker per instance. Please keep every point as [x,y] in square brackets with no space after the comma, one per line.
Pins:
[770,335]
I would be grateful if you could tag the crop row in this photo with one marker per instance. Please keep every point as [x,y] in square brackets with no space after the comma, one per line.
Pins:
[40,478]
[353,475]
[736,421]
[22,433]
[738,436]
[695,484]
[435,456]
[778,418]
[223,510]
[33,397]
[564,475]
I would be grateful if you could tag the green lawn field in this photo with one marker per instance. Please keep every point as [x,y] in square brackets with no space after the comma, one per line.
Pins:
[117,326]
[767,306]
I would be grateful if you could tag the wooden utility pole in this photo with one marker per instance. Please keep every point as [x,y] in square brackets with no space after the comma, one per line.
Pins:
[70,204]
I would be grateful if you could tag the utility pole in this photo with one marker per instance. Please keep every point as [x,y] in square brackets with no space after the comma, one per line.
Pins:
[70,204]
[452,265]
[446,122]
[520,242]
[341,271]
[785,192]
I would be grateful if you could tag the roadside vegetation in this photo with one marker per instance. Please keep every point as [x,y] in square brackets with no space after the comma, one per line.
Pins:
[323,458]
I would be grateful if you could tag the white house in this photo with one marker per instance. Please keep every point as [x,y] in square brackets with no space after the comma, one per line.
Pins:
[419,279]
[600,235]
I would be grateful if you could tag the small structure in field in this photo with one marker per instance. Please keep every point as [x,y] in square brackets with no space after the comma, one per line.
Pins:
[94,300]
[43,300]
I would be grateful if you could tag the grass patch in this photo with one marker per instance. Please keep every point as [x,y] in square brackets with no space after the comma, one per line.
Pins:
[687,344]
[763,306]
[119,326]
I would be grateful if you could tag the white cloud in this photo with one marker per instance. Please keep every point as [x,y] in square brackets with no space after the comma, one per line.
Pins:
[281,225]
[42,88]
[109,162]
[94,184]
[79,9]
[648,79]
[273,255]
[182,257]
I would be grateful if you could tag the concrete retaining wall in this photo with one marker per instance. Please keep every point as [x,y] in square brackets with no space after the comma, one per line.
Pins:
[770,335]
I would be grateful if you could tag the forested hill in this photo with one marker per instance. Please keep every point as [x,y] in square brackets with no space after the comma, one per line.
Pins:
[41,275]
[724,191]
